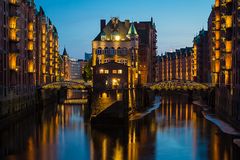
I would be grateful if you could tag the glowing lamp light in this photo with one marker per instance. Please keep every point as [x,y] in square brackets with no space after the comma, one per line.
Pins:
[104,95]
[114,80]
[117,38]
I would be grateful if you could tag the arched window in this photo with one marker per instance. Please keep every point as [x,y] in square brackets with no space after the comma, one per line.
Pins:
[106,50]
[99,51]
[119,51]
[124,51]
[112,51]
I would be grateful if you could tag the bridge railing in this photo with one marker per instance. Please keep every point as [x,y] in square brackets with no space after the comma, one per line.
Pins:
[67,84]
[179,85]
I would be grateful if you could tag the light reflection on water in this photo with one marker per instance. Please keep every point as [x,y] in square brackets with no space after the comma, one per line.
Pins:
[175,130]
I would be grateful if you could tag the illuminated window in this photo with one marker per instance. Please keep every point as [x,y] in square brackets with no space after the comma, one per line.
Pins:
[101,71]
[12,22]
[43,69]
[30,66]
[13,1]
[13,61]
[30,45]
[30,26]
[106,71]
[104,95]
[43,38]
[228,21]
[43,60]
[13,34]
[30,35]
[114,71]
[119,71]
[43,29]
[43,45]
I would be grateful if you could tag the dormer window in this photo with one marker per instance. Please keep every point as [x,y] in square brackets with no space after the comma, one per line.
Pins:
[103,36]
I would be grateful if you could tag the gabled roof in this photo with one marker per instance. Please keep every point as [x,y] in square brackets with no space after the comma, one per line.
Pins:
[114,26]
[41,11]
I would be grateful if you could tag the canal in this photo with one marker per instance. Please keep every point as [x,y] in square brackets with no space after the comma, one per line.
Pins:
[175,130]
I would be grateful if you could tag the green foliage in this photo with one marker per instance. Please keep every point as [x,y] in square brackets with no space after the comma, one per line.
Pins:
[87,73]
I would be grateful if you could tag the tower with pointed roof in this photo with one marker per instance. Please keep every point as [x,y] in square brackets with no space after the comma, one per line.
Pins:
[132,32]
[66,67]
[65,52]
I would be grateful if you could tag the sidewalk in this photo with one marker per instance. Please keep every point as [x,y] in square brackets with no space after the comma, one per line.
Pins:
[201,104]
[224,126]
[237,142]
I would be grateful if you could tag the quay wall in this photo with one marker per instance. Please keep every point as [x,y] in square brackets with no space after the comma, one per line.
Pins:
[14,107]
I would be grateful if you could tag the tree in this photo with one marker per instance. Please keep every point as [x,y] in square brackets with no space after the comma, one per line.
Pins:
[87,72]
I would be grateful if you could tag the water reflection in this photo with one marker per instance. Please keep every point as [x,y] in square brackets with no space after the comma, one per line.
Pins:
[174,131]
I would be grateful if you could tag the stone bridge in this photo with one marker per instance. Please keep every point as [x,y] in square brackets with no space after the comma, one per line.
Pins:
[67,84]
[175,85]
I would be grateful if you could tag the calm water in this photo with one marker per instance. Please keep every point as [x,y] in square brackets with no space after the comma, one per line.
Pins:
[174,131]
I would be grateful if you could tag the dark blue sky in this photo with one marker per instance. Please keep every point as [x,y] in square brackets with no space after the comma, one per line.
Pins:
[77,21]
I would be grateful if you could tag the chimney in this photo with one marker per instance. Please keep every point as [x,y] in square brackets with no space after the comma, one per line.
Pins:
[127,23]
[103,24]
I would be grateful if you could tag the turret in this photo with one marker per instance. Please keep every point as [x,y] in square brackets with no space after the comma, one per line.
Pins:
[65,52]
[132,32]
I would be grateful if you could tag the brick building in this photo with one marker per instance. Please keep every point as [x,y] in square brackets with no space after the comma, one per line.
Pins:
[110,75]
[224,48]
[117,42]
[175,65]
[29,54]
[66,65]
[48,69]
[17,50]
[202,58]
[147,50]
